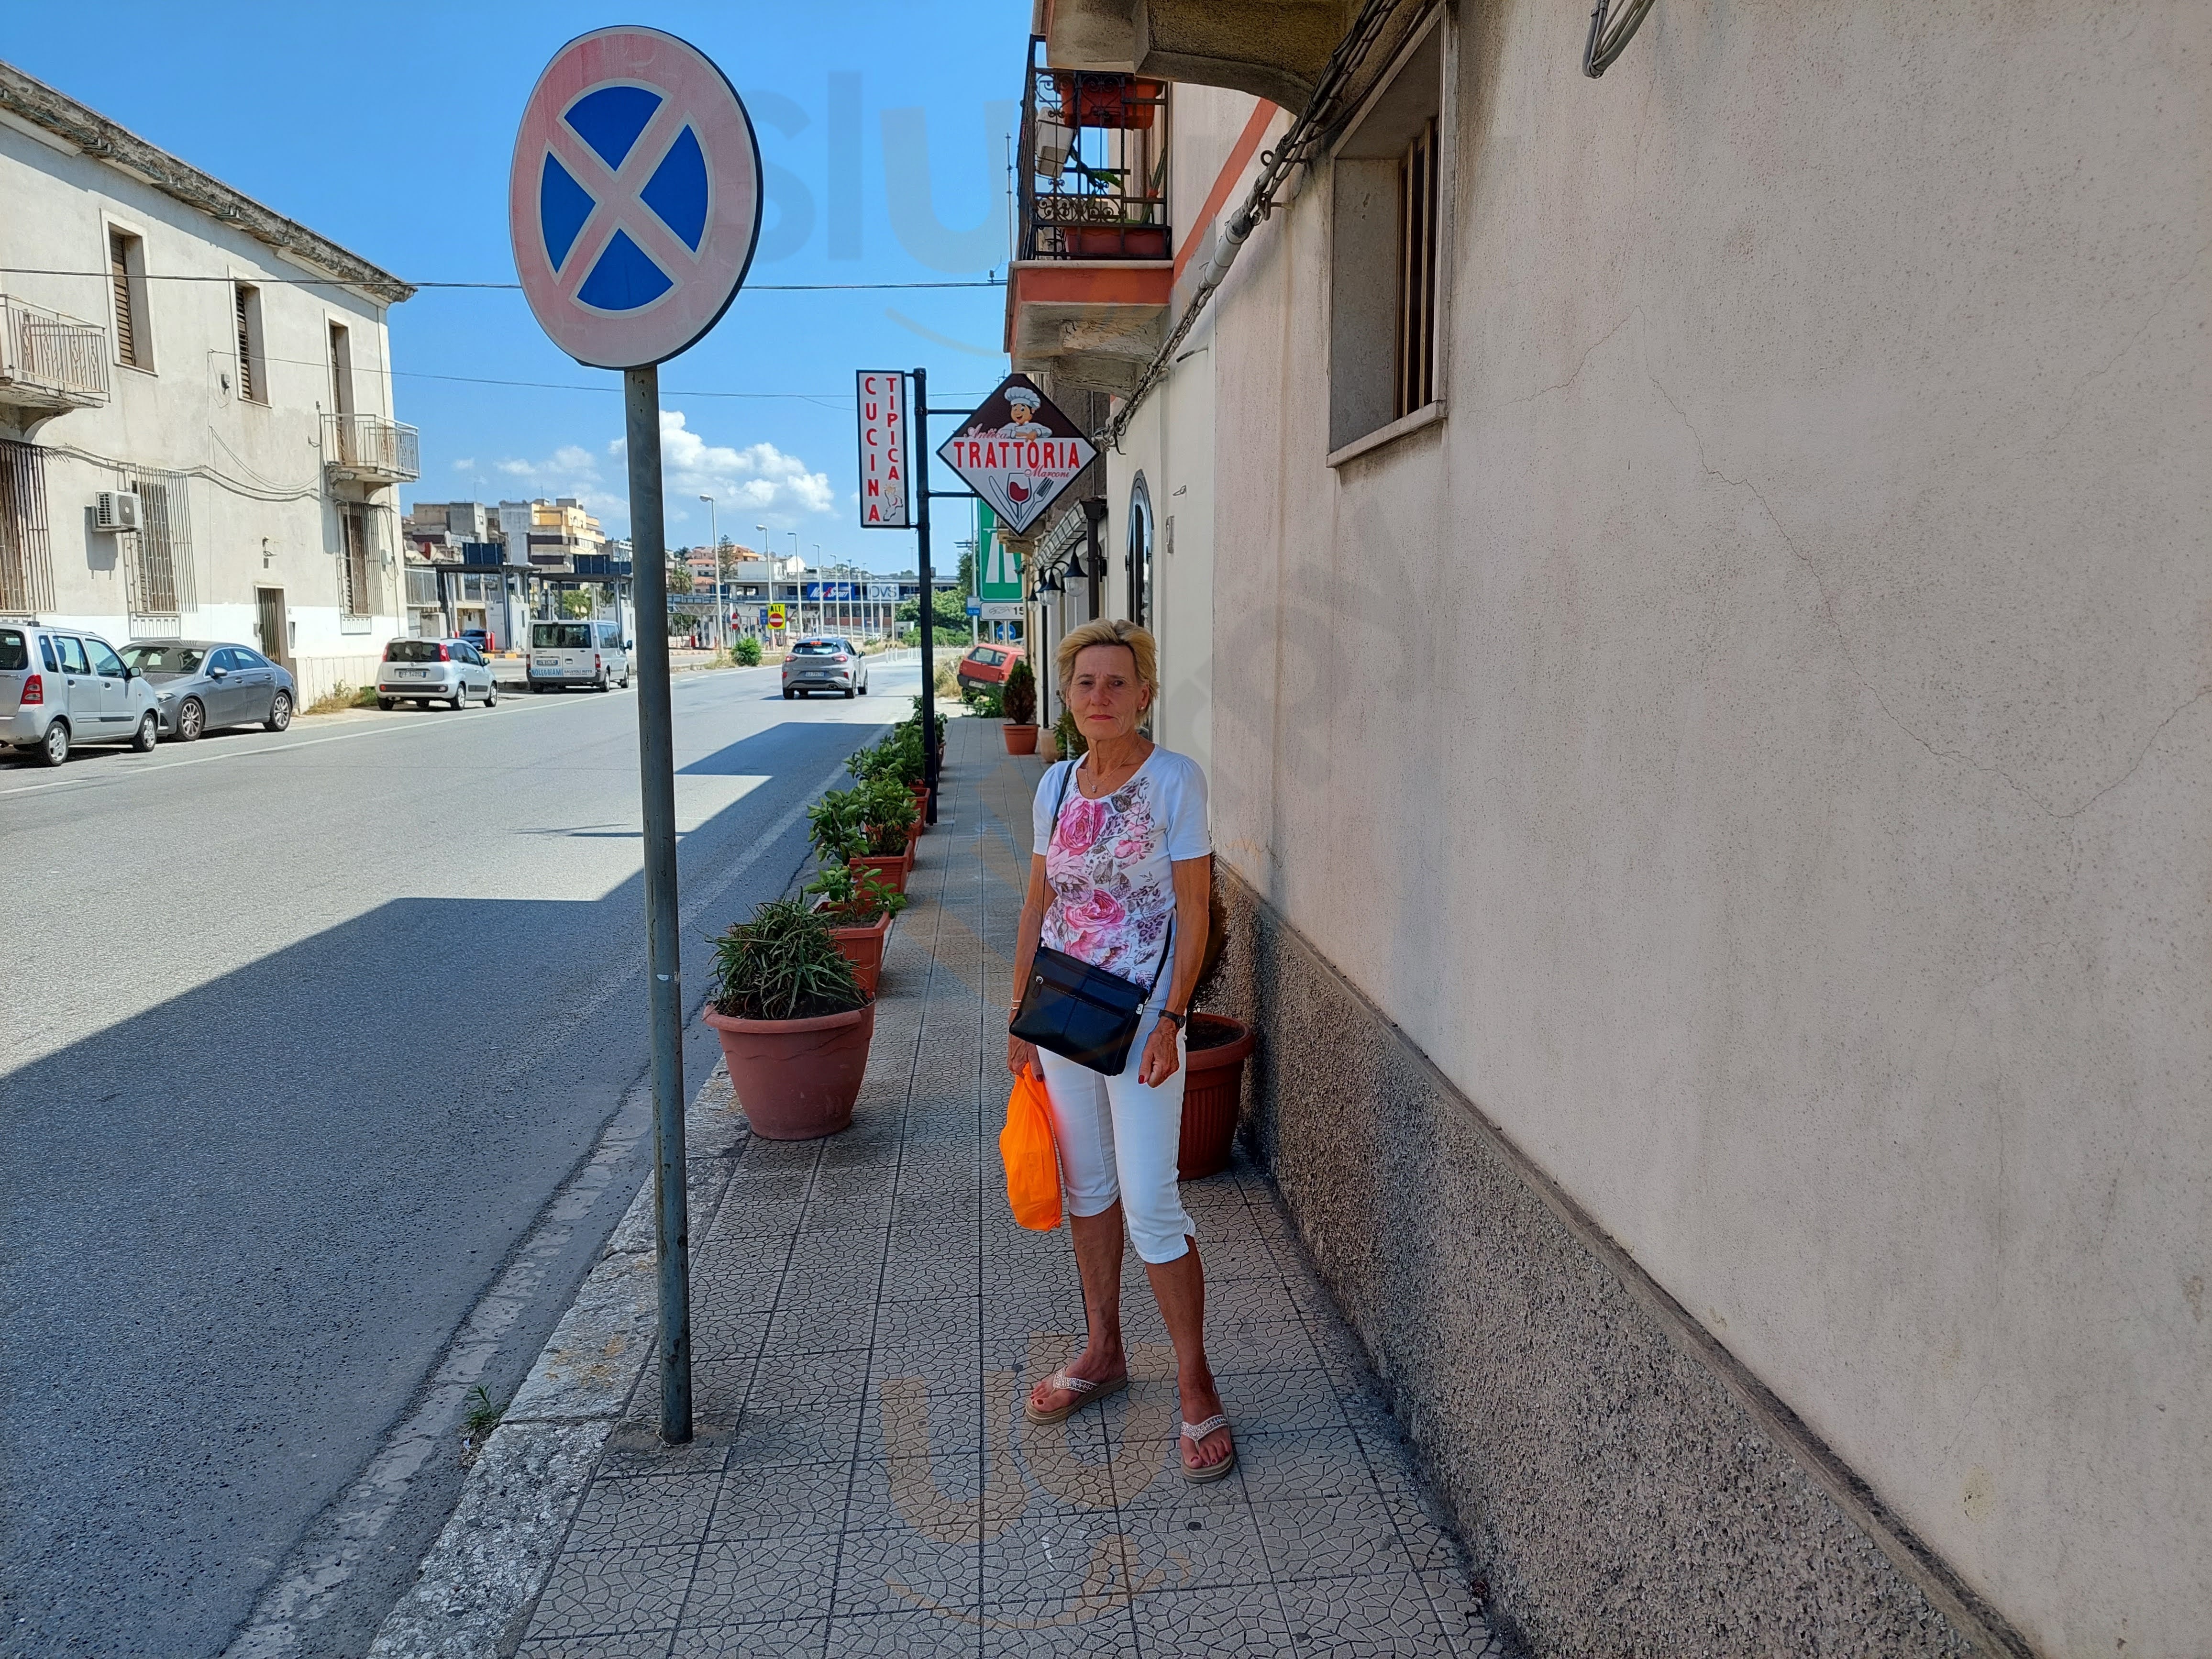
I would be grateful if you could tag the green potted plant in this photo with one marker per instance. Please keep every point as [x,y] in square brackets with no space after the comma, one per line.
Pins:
[1019,701]
[793,1022]
[892,818]
[858,909]
[1215,1049]
[868,827]
[1068,738]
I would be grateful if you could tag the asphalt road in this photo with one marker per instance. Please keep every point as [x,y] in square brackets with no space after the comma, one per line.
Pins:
[303,1033]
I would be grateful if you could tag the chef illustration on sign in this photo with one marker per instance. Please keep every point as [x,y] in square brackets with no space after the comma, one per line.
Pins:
[1022,403]
[1018,451]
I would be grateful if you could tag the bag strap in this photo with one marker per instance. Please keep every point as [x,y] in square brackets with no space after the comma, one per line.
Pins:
[1061,800]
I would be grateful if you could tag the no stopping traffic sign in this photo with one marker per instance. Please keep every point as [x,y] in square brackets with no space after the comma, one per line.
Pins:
[634,201]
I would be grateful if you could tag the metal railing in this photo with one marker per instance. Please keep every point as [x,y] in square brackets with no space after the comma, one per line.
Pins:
[370,447]
[1092,173]
[58,361]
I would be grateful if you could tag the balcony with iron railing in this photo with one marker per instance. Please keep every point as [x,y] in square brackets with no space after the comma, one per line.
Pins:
[371,448]
[1093,183]
[49,361]
[1087,296]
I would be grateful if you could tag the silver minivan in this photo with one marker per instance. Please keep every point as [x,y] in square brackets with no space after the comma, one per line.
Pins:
[60,687]
[566,654]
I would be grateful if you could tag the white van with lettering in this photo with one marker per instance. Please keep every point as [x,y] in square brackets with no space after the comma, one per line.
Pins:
[566,654]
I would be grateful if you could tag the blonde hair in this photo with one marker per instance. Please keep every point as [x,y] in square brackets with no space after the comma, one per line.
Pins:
[1110,630]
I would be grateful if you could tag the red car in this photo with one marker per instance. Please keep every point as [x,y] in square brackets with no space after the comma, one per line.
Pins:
[987,665]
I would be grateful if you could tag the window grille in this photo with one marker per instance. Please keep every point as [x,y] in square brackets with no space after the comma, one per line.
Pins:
[1417,273]
[129,331]
[26,569]
[159,563]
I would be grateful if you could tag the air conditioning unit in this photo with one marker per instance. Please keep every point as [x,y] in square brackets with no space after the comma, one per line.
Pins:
[118,510]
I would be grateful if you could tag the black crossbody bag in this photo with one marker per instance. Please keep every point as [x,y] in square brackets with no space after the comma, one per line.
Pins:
[1081,1013]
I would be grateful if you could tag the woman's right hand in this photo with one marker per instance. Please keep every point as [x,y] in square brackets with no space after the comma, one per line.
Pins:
[1021,1055]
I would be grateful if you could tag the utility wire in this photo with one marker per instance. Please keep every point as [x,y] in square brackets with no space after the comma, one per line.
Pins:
[336,281]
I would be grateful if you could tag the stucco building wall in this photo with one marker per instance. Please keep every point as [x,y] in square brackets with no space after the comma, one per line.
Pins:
[262,513]
[1759,745]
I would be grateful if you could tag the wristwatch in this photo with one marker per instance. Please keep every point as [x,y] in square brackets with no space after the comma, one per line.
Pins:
[1180,1020]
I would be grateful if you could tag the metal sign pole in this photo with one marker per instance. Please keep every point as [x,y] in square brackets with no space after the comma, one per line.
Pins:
[928,594]
[656,760]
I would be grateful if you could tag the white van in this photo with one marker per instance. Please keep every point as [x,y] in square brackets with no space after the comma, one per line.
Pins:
[565,654]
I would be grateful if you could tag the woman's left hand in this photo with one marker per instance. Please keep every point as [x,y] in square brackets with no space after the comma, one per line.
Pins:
[1161,1054]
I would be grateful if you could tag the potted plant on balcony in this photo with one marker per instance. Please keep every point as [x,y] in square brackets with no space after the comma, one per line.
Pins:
[858,909]
[1020,701]
[1215,1049]
[793,1022]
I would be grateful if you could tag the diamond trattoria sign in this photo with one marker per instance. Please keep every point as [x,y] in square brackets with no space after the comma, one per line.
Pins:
[1018,452]
[880,404]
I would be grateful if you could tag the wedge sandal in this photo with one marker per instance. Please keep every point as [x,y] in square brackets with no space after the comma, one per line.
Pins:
[1086,1392]
[1195,1432]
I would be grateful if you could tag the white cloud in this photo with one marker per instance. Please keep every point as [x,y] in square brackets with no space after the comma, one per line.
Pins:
[571,470]
[759,483]
[759,478]
[468,466]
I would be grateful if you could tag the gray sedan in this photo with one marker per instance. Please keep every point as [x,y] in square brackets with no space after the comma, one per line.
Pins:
[199,684]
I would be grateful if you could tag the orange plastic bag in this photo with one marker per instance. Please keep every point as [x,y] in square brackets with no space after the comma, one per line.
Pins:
[1032,1162]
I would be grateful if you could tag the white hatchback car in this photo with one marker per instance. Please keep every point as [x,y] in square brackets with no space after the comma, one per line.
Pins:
[434,671]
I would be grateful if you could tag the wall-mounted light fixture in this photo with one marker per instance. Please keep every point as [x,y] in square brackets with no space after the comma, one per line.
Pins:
[1609,37]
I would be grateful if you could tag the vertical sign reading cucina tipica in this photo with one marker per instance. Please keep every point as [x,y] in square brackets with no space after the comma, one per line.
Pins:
[881,407]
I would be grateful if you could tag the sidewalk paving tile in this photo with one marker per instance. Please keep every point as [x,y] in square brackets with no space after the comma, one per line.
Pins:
[866,1317]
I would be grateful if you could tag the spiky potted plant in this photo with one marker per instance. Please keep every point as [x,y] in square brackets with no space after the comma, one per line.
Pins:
[793,1022]
[1019,701]
[858,909]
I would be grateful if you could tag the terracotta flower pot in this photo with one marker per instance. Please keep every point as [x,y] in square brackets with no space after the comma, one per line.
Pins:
[1020,739]
[797,1078]
[1211,1092]
[889,869]
[862,946]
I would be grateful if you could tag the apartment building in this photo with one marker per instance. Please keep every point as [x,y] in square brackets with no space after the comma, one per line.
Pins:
[197,431]
[1684,564]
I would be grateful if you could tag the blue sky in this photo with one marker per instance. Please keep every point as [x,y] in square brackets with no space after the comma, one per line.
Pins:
[389,128]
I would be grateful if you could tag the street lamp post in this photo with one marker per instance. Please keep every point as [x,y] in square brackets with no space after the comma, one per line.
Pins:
[761,530]
[721,612]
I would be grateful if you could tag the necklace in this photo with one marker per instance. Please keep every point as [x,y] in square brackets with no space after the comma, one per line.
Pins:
[1105,788]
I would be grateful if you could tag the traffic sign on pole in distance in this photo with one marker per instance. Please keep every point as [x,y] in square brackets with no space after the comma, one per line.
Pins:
[635,199]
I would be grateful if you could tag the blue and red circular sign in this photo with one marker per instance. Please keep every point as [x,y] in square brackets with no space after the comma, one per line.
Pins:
[634,201]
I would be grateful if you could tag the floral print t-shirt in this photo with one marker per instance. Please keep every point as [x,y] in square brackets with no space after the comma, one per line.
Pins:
[1108,869]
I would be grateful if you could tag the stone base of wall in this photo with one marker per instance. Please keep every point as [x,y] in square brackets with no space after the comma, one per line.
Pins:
[1625,1487]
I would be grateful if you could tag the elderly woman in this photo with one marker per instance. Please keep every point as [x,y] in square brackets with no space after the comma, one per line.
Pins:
[1120,880]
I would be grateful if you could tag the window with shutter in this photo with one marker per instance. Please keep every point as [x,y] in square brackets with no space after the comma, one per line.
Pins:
[1417,272]
[125,271]
[245,354]
[252,363]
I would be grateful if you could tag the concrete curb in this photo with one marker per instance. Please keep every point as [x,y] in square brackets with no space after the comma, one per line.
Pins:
[475,1590]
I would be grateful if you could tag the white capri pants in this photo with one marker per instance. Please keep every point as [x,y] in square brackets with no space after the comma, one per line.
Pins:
[1120,1140]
